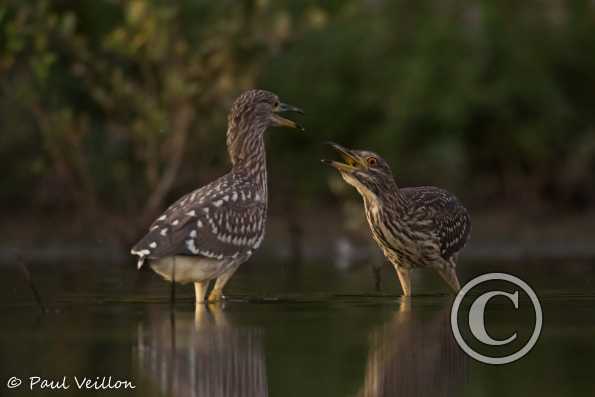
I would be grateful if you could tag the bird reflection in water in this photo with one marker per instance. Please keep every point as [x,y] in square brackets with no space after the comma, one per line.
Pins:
[414,355]
[201,355]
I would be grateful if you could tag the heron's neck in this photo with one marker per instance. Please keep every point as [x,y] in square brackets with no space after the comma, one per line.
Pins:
[387,197]
[247,153]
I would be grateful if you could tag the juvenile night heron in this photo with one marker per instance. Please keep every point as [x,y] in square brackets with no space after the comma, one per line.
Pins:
[209,232]
[416,227]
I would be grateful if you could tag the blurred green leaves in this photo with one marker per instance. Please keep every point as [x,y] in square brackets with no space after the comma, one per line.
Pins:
[122,103]
[121,96]
[460,94]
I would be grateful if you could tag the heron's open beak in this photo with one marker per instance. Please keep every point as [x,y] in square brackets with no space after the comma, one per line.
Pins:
[351,161]
[279,121]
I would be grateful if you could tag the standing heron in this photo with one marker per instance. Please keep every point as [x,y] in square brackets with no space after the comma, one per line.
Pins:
[209,232]
[416,227]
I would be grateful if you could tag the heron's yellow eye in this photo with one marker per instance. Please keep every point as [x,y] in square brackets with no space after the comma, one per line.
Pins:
[276,105]
[372,161]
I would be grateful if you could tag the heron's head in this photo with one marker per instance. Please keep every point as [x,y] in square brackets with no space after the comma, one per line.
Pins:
[369,173]
[259,109]
[251,114]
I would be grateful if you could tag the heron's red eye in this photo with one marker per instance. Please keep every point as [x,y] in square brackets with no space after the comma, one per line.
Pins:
[372,161]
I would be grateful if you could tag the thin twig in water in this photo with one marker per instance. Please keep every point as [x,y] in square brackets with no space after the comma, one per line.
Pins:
[377,272]
[173,282]
[172,323]
[29,279]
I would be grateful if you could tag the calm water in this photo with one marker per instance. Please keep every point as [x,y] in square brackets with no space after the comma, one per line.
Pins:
[314,332]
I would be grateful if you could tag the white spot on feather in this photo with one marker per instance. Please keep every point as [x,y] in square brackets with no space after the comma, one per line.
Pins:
[141,257]
[259,241]
[141,252]
[191,247]
[153,245]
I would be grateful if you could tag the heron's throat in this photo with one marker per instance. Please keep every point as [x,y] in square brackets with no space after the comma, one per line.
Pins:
[383,195]
[245,145]
[247,153]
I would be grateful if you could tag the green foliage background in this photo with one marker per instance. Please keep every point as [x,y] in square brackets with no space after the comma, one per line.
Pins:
[109,108]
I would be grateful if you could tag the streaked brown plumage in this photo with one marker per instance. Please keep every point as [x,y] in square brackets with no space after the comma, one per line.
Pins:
[209,232]
[415,227]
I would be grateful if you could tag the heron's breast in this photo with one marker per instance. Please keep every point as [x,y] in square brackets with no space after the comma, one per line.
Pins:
[189,269]
[403,244]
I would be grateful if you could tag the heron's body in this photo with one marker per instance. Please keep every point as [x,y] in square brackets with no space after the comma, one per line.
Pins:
[208,233]
[416,227]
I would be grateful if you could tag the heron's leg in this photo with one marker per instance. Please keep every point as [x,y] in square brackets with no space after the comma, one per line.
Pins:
[449,275]
[200,288]
[404,307]
[201,313]
[217,292]
[209,316]
[219,318]
[405,279]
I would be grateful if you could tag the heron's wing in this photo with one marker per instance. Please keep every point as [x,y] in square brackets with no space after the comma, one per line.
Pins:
[219,220]
[449,218]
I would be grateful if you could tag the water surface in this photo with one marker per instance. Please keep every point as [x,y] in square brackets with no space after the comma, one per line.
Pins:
[320,332]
